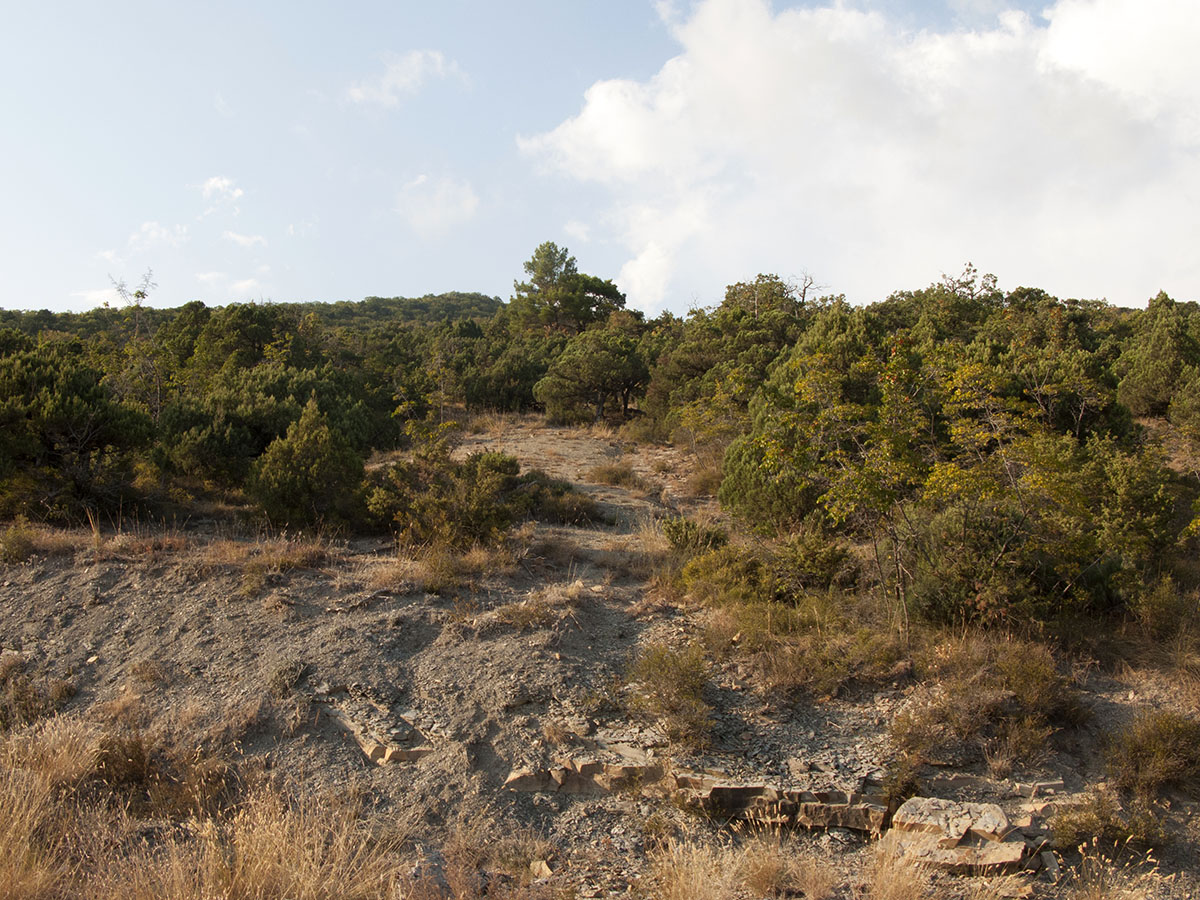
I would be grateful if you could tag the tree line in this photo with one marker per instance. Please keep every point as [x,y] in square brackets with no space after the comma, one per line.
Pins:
[1002,455]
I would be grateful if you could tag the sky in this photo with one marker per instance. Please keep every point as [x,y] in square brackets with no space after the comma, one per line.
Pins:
[313,150]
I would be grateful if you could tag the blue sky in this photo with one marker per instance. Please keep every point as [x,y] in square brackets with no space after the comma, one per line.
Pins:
[321,151]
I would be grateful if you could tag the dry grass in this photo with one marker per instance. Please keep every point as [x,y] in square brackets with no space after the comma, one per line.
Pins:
[270,848]
[21,541]
[766,866]
[891,877]
[271,554]
[23,698]
[770,866]
[986,697]
[491,423]
[438,570]
[1103,875]
[671,691]
[685,871]
[543,607]
[1157,749]
[40,771]
[1100,820]
[620,474]
[59,779]
[705,479]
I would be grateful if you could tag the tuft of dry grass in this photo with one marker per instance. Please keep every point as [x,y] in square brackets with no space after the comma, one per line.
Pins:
[687,871]
[987,697]
[438,570]
[1100,820]
[148,671]
[768,867]
[620,474]
[1105,875]
[892,877]
[705,479]
[672,691]
[25,699]
[1157,749]
[279,554]
[270,848]
[20,541]
[40,770]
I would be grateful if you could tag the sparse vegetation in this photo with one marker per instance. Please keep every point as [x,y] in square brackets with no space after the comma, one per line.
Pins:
[669,689]
[618,473]
[987,697]
[930,510]
[1158,749]
[1102,821]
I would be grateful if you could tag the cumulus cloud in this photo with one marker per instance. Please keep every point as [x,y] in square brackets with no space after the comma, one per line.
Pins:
[147,237]
[246,287]
[1059,152]
[220,187]
[245,240]
[221,191]
[403,76]
[433,206]
[97,297]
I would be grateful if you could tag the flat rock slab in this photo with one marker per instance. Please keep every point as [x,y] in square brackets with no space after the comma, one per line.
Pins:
[986,858]
[952,821]
[971,838]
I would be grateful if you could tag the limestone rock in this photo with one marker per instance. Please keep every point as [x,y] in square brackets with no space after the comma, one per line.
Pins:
[958,837]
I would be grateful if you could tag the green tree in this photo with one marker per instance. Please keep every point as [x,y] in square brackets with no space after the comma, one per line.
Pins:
[1152,364]
[310,476]
[558,297]
[596,366]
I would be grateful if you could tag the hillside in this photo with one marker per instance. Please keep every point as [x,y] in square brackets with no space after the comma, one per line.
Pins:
[551,717]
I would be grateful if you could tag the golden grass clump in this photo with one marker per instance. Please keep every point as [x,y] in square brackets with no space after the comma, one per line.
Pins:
[686,871]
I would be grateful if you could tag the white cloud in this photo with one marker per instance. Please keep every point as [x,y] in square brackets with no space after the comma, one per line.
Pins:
[149,236]
[154,234]
[245,240]
[221,191]
[246,288]
[223,109]
[97,297]
[210,278]
[1059,153]
[221,187]
[432,206]
[403,76]
[579,231]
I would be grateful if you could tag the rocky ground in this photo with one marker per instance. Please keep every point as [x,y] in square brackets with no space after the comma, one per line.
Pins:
[489,690]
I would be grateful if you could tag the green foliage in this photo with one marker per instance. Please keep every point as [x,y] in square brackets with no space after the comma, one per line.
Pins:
[688,537]
[597,366]
[308,477]
[558,297]
[981,452]
[557,501]
[730,575]
[433,499]
[65,442]
[1154,361]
